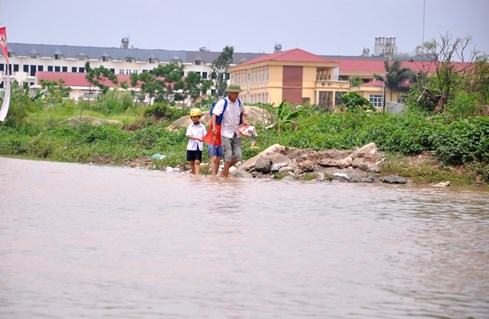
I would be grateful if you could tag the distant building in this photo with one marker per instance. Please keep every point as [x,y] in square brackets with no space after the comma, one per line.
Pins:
[294,75]
[81,89]
[26,60]
[385,46]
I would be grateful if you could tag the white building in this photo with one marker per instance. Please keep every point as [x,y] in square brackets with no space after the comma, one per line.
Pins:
[385,46]
[28,59]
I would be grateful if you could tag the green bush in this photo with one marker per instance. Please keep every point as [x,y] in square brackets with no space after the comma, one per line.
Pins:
[463,141]
[157,137]
[355,102]
[161,110]
[463,105]
[113,102]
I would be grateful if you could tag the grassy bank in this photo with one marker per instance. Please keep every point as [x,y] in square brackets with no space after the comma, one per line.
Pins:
[458,148]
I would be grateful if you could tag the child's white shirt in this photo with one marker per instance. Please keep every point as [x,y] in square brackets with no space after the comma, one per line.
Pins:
[198,130]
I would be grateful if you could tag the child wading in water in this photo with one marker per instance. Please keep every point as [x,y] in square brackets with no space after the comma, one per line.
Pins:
[195,133]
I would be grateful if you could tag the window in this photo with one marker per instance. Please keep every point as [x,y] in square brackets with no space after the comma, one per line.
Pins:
[56,56]
[197,62]
[81,70]
[376,100]
[25,68]
[204,75]
[50,68]
[121,71]
[2,67]
[65,69]
[33,70]
[73,69]
[112,70]
[1,85]
[57,69]
[213,75]
[40,68]
[106,58]
[226,76]
[16,68]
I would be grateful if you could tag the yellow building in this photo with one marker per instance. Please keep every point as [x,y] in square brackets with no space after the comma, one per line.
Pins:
[296,76]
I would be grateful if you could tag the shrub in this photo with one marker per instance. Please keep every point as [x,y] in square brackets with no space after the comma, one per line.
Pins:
[113,102]
[355,102]
[463,105]
[464,141]
[161,110]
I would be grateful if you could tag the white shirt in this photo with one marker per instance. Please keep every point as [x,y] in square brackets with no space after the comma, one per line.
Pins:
[230,121]
[195,131]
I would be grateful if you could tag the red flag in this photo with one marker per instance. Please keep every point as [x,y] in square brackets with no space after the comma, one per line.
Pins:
[3,43]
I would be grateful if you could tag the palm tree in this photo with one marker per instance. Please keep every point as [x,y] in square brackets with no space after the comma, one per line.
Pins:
[396,78]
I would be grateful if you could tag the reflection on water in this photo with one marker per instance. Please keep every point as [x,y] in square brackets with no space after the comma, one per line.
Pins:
[85,241]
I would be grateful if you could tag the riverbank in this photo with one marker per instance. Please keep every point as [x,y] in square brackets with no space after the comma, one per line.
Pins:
[420,171]
[422,149]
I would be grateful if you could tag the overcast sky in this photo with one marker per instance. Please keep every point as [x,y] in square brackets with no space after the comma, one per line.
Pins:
[320,26]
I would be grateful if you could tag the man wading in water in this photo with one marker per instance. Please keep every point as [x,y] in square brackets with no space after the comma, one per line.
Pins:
[231,112]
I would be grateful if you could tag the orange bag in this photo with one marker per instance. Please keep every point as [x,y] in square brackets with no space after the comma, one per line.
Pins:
[212,139]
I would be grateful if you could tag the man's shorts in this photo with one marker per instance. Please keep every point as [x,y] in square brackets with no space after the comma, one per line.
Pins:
[231,148]
[194,155]
[215,150]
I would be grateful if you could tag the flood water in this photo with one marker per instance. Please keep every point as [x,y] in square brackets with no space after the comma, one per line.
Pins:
[81,241]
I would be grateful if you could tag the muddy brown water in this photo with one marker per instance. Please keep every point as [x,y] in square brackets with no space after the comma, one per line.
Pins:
[81,241]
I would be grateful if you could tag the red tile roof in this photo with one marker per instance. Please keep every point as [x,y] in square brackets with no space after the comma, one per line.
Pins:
[373,84]
[371,67]
[78,79]
[294,55]
[361,67]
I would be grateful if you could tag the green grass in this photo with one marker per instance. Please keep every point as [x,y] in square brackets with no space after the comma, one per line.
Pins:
[427,171]
[42,132]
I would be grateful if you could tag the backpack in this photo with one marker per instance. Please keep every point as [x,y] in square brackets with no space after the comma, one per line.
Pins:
[220,117]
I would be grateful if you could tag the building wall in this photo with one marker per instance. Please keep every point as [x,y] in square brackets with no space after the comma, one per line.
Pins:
[309,84]
[292,83]
[47,64]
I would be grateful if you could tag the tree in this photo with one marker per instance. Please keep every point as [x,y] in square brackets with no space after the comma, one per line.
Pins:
[396,78]
[355,102]
[97,76]
[194,85]
[54,91]
[150,85]
[356,82]
[220,69]
[448,74]
[477,80]
[427,49]
[168,83]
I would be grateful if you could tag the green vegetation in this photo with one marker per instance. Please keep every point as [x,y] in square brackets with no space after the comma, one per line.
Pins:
[115,130]
[355,102]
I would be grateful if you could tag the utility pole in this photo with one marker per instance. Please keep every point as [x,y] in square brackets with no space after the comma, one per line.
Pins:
[424,20]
